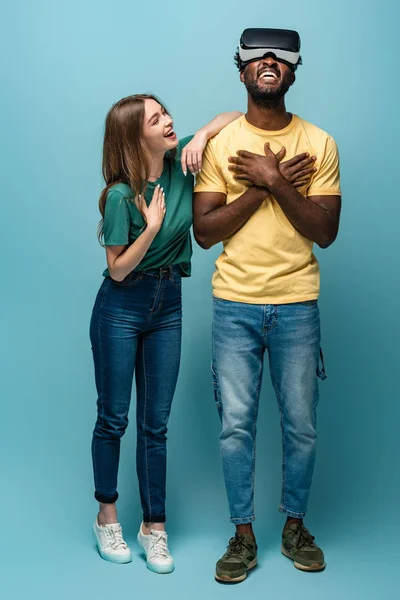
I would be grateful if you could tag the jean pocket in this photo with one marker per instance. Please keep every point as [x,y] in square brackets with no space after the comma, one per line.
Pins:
[176,279]
[130,279]
[321,374]
[217,394]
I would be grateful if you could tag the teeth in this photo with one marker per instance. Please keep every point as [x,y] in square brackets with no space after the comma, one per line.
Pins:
[268,74]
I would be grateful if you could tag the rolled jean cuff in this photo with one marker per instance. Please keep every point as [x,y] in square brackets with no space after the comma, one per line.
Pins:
[106,499]
[242,520]
[154,518]
[291,513]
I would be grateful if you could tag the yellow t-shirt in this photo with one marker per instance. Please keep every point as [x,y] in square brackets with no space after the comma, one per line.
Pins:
[268,261]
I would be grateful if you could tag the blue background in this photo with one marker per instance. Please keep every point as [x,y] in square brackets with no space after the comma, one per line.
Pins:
[64,65]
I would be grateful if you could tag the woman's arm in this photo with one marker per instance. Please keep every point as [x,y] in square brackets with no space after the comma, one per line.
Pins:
[121,260]
[218,123]
[193,151]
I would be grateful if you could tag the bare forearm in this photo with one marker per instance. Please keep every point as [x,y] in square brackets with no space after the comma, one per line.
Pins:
[219,224]
[312,220]
[219,122]
[128,260]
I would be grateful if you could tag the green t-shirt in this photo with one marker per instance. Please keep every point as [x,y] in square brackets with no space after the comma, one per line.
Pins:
[123,223]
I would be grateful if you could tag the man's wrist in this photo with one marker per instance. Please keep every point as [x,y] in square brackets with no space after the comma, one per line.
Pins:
[276,182]
[260,192]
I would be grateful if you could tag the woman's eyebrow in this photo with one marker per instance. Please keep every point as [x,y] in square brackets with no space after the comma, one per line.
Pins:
[155,115]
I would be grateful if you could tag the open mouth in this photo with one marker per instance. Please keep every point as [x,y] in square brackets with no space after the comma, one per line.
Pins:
[268,75]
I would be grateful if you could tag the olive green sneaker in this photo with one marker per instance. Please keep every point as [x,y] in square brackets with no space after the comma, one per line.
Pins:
[240,557]
[298,545]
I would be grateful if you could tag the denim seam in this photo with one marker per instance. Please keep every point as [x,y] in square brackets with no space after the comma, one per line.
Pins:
[158,298]
[101,348]
[128,281]
[242,520]
[172,279]
[268,327]
[145,433]
[278,396]
[216,388]
[101,358]
[155,297]
[255,412]
[291,513]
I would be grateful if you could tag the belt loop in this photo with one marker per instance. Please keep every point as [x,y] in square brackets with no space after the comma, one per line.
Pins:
[166,272]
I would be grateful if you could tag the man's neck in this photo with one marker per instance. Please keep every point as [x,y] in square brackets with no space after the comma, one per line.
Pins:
[271,119]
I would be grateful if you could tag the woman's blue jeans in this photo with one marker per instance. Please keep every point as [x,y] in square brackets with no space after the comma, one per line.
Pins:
[136,327]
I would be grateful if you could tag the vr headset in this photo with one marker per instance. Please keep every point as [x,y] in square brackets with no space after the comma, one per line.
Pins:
[283,44]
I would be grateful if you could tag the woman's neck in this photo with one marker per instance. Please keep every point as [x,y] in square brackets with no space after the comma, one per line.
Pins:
[156,163]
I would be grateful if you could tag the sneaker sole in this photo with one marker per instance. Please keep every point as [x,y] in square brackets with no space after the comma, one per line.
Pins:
[301,567]
[227,579]
[119,560]
[154,568]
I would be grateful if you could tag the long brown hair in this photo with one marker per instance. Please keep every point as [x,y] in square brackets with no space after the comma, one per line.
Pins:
[124,149]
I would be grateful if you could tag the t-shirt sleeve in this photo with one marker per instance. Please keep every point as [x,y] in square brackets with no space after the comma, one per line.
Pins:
[211,178]
[116,220]
[326,181]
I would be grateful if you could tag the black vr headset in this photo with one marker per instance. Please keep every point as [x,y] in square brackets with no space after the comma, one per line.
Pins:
[283,44]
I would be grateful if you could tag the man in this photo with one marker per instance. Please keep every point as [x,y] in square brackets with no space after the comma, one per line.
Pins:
[266,286]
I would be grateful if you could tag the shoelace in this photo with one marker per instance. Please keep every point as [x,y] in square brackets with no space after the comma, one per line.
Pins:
[235,545]
[158,547]
[115,538]
[304,537]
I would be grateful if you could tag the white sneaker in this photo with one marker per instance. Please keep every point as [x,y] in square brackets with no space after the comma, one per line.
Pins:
[155,547]
[111,544]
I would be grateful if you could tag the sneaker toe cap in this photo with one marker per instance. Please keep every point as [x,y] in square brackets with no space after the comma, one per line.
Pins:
[231,570]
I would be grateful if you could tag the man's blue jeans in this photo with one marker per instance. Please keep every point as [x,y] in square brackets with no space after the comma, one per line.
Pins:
[136,326]
[291,335]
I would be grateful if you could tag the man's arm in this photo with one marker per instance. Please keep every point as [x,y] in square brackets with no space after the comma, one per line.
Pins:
[316,217]
[214,220]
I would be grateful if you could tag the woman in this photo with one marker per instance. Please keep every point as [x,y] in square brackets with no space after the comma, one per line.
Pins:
[136,322]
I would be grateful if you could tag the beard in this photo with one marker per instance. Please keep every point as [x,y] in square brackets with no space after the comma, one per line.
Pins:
[264,98]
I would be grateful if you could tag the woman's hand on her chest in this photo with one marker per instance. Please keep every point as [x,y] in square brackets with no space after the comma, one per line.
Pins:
[154,213]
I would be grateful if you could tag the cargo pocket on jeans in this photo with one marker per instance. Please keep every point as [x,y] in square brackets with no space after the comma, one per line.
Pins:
[217,393]
[321,366]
